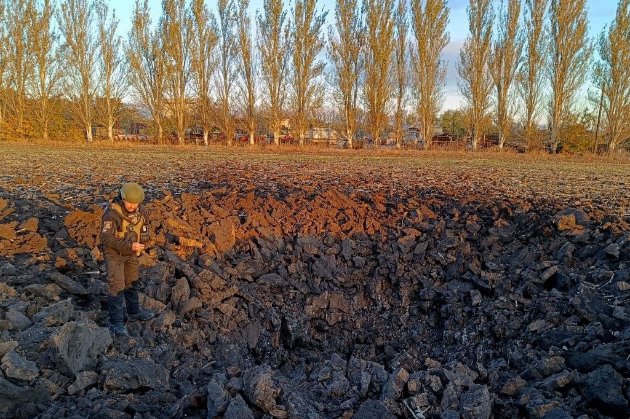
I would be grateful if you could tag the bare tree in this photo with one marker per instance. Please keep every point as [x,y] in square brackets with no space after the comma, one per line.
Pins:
[176,29]
[429,20]
[275,50]
[203,62]
[46,66]
[19,30]
[379,21]
[475,80]
[569,59]
[530,83]
[228,70]
[247,67]
[402,25]
[76,22]
[505,62]
[147,67]
[345,49]
[307,42]
[113,69]
[612,76]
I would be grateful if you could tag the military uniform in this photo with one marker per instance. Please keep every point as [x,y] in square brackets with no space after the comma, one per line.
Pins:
[120,229]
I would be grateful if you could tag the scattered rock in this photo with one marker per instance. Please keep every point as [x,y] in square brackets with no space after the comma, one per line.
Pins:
[373,409]
[56,314]
[15,366]
[218,398]
[18,319]
[83,380]
[124,375]
[68,284]
[14,396]
[261,390]
[6,347]
[180,293]
[476,402]
[6,292]
[602,388]
[77,346]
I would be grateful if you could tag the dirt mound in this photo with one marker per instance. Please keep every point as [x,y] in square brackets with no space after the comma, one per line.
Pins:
[322,299]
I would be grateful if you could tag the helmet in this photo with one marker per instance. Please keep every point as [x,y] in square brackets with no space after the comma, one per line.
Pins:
[132,193]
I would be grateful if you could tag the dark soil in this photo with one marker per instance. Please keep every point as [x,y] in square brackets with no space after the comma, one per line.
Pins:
[319,286]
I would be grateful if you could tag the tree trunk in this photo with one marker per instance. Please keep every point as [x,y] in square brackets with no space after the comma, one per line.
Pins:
[88,133]
[205,137]
[181,130]
[612,145]
[554,138]
[276,136]
[349,135]
[45,133]
[160,134]
[427,132]
[230,136]
[110,130]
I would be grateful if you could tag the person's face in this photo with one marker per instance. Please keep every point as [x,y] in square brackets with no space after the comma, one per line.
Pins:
[130,207]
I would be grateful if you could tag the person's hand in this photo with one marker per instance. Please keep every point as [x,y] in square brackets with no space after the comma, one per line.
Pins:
[137,247]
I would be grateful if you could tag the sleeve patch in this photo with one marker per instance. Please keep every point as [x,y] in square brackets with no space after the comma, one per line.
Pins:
[107,225]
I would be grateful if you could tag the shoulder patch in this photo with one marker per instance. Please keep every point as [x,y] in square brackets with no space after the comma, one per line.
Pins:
[107,225]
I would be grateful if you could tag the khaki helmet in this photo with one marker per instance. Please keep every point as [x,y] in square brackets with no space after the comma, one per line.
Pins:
[132,193]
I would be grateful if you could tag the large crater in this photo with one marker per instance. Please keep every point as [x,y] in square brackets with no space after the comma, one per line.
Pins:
[314,289]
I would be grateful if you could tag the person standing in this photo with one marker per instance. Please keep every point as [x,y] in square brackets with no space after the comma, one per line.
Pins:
[124,235]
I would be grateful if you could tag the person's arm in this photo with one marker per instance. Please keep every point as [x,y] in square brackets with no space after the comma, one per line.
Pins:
[110,226]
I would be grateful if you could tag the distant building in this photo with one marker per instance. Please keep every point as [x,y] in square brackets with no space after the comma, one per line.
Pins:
[100,131]
[321,135]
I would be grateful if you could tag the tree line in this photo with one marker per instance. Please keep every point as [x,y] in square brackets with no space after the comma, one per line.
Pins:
[379,65]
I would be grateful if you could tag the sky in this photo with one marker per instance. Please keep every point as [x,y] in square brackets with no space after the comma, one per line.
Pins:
[600,13]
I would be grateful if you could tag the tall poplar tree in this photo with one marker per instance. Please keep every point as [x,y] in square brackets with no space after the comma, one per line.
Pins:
[429,19]
[307,43]
[346,41]
[475,80]
[568,63]
[612,76]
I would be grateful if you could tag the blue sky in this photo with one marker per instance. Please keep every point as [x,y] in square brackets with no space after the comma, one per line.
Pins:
[600,12]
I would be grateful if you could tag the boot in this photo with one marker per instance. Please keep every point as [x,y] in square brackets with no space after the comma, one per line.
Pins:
[134,310]
[115,309]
